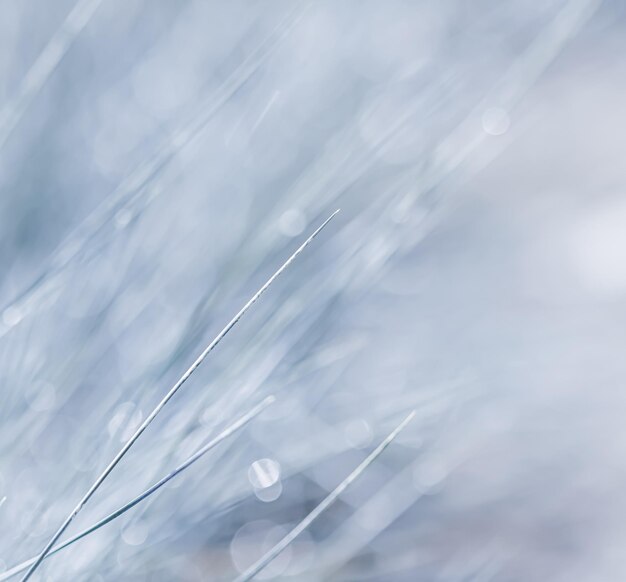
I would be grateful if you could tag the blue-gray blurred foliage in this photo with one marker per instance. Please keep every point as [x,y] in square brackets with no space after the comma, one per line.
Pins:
[159,159]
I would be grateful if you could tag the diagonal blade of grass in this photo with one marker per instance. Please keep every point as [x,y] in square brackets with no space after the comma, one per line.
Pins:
[139,184]
[218,338]
[228,431]
[253,570]
[44,65]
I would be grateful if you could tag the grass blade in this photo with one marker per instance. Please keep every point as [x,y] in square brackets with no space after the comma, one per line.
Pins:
[139,183]
[218,338]
[44,66]
[228,431]
[253,570]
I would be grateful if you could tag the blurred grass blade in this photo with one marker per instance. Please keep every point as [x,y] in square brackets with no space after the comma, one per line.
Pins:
[168,397]
[44,66]
[327,502]
[228,431]
[137,183]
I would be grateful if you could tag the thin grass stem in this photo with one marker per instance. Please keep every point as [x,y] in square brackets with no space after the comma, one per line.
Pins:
[228,431]
[253,570]
[218,338]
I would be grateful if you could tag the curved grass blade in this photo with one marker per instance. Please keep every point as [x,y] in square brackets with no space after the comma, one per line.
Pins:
[228,431]
[218,338]
[253,570]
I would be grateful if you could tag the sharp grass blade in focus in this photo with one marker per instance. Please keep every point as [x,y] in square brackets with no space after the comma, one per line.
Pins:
[129,443]
[228,431]
[253,570]
[156,164]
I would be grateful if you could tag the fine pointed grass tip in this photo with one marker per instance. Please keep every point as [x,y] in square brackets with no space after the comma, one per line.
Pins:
[168,396]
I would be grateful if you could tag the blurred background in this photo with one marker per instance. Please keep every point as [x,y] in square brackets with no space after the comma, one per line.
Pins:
[159,160]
